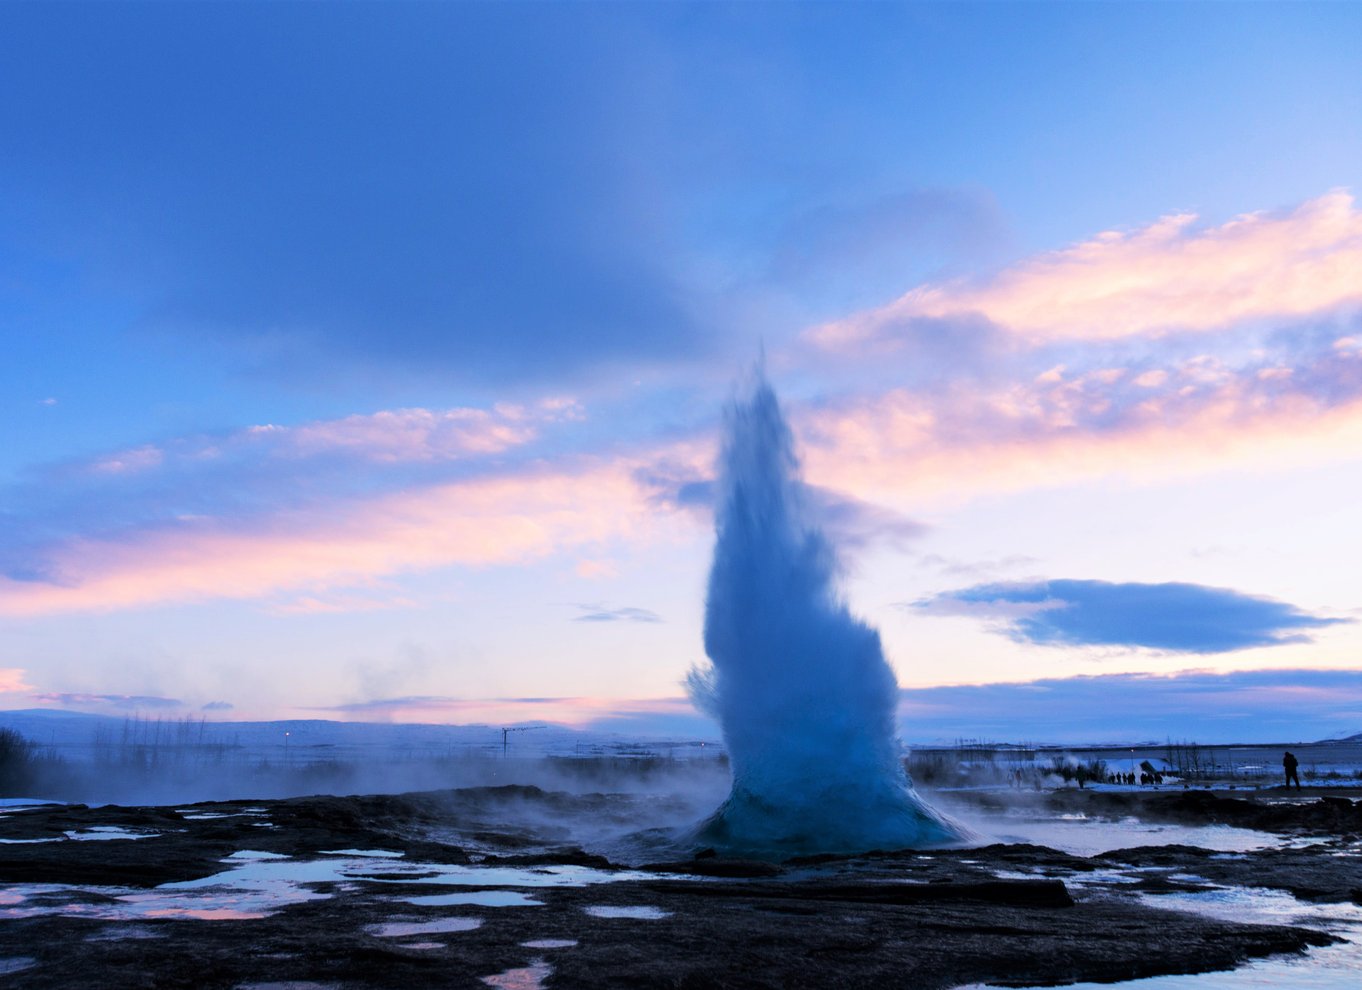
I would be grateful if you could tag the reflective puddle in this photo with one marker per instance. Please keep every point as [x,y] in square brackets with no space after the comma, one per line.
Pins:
[369,853]
[1082,836]
[478,898]
[531,977]
[1334,967]
[641,911]
[101,832]
[440,926]
[256,883]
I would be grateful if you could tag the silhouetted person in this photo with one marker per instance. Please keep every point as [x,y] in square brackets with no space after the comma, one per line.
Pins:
[1289,764]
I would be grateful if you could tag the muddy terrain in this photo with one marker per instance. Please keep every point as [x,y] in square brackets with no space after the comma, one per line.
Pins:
[514,886]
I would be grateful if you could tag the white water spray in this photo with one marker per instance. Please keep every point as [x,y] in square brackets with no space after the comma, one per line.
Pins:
[799,685]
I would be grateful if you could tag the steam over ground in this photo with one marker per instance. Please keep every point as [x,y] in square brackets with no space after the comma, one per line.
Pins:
[799,685]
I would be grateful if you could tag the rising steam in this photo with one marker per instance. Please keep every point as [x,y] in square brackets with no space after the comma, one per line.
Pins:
[799,685]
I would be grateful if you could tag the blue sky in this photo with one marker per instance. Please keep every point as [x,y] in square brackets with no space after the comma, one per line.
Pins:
[361,352]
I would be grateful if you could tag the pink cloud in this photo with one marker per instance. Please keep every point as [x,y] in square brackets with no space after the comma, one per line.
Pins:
[503,520]
[390,436]
[1170,275]
[12,679]
[425,434]
[594,569]
[1197,416]
[130,461]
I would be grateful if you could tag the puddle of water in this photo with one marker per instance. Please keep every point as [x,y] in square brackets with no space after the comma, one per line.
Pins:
[370,853]
[16,964]
[551,943]
[166,901]
[393,876]
[1260,906]
[440,926]
[253,855]
[99,833]
[24,842]
[642,911]
[256,884]
[479,898]
[1080,836]
[1333,967]
[504,876]
[1096,878]
[421,945]
[208,816]
[531,977]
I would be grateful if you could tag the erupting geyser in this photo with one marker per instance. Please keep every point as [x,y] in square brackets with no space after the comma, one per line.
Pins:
[799,685]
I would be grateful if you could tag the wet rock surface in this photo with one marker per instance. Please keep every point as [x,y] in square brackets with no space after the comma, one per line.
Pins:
[515,892]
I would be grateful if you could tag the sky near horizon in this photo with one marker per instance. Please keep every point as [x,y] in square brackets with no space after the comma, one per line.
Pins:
[368,361]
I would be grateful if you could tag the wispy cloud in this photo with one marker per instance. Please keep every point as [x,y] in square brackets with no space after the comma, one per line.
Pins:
[1170,275]
[499,520]
[974,568]
[120,702]
[1172,617]
[393,436]
[1298,402]
[602,613]
[423,434]
[236,478]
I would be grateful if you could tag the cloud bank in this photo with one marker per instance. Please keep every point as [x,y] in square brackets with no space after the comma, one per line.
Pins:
[318,507]
[1172,617]
[1170,275]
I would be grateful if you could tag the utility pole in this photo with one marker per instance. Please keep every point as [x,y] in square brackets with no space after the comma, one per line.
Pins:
[506,734]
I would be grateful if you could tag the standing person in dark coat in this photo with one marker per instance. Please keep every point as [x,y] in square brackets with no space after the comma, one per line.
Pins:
[1289,764]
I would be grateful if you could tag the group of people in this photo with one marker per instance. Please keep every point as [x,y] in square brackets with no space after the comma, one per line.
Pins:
[1146,778]
[1148,775]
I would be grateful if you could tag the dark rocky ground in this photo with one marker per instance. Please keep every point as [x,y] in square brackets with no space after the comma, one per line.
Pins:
[900,919]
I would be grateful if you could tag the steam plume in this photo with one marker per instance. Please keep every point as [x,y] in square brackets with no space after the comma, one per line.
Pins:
[799,685]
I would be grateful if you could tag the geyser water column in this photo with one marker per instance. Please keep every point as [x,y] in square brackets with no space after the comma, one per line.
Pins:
[799,685]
